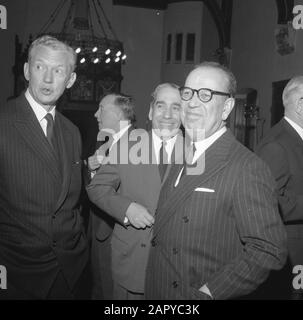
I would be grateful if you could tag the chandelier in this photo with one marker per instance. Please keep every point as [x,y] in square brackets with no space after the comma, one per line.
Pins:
[80,30]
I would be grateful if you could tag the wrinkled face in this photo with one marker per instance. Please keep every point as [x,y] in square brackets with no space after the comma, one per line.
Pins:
[49,74]
[165,112]
[109,115]
[202,119]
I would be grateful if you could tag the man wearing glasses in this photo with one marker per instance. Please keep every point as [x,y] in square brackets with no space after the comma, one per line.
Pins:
[217,231]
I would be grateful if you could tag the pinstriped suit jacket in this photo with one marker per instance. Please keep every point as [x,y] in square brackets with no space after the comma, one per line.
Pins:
[41,230]
[228,239]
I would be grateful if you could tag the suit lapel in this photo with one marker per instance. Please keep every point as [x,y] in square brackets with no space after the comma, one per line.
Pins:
[216,158]
[31,132]
[65,145]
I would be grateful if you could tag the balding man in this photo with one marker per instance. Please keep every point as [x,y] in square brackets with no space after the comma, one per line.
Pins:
[282,149]
[217,232]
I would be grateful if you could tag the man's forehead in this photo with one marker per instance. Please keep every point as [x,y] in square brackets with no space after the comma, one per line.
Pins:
[167,92]
[204,77]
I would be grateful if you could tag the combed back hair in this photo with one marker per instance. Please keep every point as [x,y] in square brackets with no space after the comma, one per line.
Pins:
[160,86]
[292,90]
[55,44]
[232,82]
[126,104]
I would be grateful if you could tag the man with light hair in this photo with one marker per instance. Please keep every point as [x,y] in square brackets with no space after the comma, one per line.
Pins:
[282,149]
[42,239]
[128,192]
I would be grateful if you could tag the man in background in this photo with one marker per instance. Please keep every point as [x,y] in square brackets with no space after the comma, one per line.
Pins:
[282,150]
[42,240]
[129,193]
[115,115]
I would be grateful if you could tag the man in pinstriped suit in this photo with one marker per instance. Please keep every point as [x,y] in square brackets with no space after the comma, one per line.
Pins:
[217,231]
[42,240]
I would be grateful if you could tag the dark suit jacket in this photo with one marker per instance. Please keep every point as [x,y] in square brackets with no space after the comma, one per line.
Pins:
[113,189]
[282,149]
[228,239]
[41,229]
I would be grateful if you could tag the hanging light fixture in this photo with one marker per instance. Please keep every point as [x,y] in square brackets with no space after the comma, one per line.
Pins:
[94,41]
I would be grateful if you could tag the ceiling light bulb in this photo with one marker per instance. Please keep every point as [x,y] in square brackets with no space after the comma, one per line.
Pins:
[94,49]
[107,51]
[82,60]
[107,60]
[96,60]
[118,54]
[78,50]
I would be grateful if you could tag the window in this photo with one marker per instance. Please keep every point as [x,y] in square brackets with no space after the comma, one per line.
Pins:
[168,48]
[190,47]
[178,52]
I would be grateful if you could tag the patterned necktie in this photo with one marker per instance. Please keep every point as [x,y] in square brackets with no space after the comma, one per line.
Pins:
[50,129]
[163,159]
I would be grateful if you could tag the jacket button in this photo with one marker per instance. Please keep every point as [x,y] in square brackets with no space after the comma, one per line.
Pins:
[54,243]
[175,250]
[153,242]
[185,219]
[53,216]
[175,284]
[143,245]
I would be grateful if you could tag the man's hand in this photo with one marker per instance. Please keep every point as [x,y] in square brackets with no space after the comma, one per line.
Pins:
[94,162]
[138,216]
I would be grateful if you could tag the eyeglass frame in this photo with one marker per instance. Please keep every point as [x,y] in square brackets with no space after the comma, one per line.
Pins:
[212,92]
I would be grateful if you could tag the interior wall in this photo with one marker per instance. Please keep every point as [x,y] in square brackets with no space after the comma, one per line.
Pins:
[181,17]
[255,61]
[141,31]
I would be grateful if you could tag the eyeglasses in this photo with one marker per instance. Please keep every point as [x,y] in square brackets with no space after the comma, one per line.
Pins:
[204,94]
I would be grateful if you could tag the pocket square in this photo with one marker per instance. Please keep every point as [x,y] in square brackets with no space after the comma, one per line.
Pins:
[204,190]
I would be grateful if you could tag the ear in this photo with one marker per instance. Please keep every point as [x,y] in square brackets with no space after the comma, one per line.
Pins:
[299,106]
[228,107]
[150,114]
[71,80]
[26,71]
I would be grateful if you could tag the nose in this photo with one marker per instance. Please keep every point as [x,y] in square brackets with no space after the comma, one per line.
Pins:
[48,76]
[168,113]
[96,114]
[194,101]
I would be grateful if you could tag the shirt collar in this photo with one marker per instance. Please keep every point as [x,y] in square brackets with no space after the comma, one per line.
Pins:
[296,127]
[157,141]
[202,145]
[39,111]
[120,133]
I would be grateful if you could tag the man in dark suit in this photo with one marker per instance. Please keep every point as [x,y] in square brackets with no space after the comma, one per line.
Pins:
[217,231]
[115,115]
[128,191]
[282,149]
[42,240]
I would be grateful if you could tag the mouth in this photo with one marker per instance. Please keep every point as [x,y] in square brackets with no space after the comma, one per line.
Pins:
[46,91]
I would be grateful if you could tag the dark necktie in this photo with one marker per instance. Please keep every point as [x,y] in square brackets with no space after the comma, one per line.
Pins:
[189,159]
[50,129]
[163,160]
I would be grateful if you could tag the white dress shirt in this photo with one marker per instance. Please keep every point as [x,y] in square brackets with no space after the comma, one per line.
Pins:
[169,146]
[295,126]
[39,111]
[201,147]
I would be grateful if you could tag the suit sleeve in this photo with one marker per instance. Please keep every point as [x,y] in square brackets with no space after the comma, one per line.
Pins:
[260,229]
[291,204]
[103,191]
